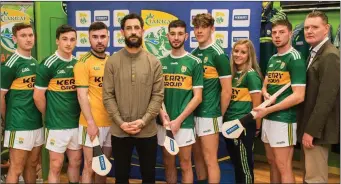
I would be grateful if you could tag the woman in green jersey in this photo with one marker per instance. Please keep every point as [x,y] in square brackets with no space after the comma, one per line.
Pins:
[246,94]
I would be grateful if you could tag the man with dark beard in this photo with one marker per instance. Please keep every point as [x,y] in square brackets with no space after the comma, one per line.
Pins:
[94,119]
[183,80]
[132,96]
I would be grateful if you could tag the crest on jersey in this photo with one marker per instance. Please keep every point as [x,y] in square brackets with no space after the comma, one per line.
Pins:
[97,68]
[205,59]
[282,65]
[183,69]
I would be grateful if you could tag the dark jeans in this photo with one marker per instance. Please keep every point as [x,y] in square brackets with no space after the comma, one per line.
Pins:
[241,154]
[122,149]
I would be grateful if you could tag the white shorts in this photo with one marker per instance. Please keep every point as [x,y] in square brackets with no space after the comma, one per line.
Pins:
[24,140]
[104,136]
[184,137]
[60,140]
[279,134]
[208,126]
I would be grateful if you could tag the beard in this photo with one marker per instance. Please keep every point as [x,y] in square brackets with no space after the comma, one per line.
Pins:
[179,46]
[133,44]
[100,51]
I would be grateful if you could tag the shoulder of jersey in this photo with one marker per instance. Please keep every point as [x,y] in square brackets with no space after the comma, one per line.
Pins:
[48,62]
[198,60]
[217,49]
[194,50]
[295,54]
[85,57]
[11,60]
[164,57]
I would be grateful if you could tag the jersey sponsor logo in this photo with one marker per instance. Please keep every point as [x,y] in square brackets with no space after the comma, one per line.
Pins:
[174,63]
[98,81]
[24,83]
[177,81]
[33,64]
[25,70]
[60,71]
[97,68]
[62,84]
[241,94]
[278,61]
[183,69]
[70,66]
[210,72]
[278,78]
[200,54]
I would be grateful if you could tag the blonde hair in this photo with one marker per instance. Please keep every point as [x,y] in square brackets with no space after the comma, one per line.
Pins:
[251,62]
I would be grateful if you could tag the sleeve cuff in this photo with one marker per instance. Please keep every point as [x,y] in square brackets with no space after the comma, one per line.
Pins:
[147,118]
[118,120]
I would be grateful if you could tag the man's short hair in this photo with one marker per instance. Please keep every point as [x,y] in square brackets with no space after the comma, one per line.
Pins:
[320,14]
[203,19]
[131,16]
[177,23]
[95,26]
[283,22]
[64,29]
[19,26]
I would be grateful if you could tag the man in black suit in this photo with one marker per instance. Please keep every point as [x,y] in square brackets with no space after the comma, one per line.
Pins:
[319,116]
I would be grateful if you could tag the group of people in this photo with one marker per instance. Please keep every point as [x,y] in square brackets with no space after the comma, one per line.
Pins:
[119,99]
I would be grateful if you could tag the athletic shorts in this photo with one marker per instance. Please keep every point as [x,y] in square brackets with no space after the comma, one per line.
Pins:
[60,140]
[24,140]
[279,134]
[208,126]
[104,136]
[184,137]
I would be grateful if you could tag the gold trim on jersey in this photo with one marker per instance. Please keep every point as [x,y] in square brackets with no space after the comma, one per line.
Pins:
[177,81]
[241,94]
[210,72]
[278,78]
[24,83]
[62,84]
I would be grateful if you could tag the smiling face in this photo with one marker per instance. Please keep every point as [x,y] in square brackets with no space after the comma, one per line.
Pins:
[177,37]
[240,55]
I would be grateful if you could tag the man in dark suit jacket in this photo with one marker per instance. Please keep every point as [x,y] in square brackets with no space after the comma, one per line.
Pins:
[319,116]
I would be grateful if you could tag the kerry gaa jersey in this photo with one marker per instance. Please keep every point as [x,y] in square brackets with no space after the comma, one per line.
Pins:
[62,108]
[282,69]
[243,85]
[18,74]
[216,65]
[181,74]
[89,72]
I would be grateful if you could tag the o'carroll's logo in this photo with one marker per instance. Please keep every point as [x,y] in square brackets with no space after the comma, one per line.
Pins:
[241,17]
[156,25]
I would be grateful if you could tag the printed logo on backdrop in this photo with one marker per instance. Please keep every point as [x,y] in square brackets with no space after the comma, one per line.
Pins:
[194,12]
[221,17]
[237,35]
[221,38]
[241,17]
[155,39]
[83,18]
[83,39]
[9,17]
[118,39]
[102,16]
[118,16]
[193,43]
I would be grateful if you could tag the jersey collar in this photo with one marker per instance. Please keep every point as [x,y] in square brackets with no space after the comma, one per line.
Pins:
[17,53]
[177,57]
[63,59]
[209,45]
[291,48]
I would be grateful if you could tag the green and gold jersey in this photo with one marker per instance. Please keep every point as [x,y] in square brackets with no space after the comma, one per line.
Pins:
[181,74]
[283,69]
[56,75]
[216,65]
[243,85]
[18,74]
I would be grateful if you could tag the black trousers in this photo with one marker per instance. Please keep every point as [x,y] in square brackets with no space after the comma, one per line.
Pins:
[241,154]
[122,149]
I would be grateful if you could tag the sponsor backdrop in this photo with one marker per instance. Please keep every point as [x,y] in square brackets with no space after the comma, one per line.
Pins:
[233,21]
[12,13]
